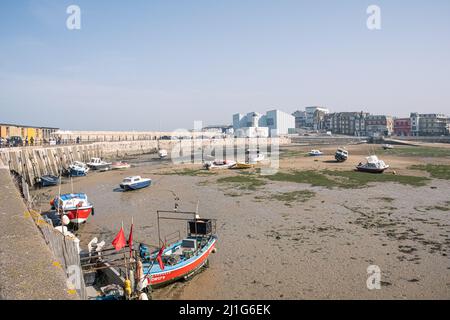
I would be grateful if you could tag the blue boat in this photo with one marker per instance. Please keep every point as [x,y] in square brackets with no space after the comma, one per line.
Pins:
[78,169]
[182,259]
[135,183]
[77,172]
[48,180]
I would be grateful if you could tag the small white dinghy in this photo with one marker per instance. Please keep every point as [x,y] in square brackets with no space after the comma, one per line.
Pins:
[162,154]
[219,164]
[120,165]
[315,153]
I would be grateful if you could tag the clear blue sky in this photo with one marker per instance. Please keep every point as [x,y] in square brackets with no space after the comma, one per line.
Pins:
[161,64]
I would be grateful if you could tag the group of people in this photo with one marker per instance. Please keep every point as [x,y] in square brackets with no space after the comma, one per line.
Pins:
[18,141]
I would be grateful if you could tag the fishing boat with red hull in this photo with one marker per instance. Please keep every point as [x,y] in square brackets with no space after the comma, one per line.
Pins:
[182,259]
[74,205]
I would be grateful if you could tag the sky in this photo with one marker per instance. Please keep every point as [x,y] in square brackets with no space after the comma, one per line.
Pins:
[163,64]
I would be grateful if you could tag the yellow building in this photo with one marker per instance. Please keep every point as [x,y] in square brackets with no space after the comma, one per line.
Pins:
[37,133]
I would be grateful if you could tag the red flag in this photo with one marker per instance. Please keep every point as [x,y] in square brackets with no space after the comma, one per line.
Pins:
[119,241]
[130,240]
[161,264]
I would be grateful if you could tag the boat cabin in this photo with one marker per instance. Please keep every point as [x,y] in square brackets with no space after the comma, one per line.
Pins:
[132,179]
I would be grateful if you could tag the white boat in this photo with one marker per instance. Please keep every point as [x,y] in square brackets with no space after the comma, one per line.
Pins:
[162,153]
[315,153]
[219,164]
[387,146]
[372,165]
[77,169]
[134,183]
[341,155]
[120,165]
[98,164]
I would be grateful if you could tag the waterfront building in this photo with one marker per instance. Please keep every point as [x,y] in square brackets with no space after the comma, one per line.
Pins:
[38,134]
[277,123]
[402,127]
[429,124]
[313,115]
[300,119]
[346,123]
[379,125]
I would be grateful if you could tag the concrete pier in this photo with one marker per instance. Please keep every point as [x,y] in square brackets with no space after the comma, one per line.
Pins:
[28,270]
[34,162]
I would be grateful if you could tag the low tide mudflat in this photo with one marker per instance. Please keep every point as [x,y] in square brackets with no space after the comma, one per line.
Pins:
[309,231]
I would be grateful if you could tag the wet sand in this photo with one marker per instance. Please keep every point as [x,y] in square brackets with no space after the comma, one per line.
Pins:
[319,248]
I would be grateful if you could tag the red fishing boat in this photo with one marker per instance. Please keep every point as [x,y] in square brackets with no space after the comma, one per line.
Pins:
[181,259]
[74,205]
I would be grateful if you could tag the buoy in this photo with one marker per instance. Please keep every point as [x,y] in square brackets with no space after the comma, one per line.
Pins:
[143,296]
[127,287]
[65,220]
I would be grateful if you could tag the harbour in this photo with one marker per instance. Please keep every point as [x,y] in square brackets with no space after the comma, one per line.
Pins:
[224,158]
[282,238]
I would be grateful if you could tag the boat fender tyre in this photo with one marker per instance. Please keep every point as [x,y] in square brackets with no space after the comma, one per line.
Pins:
[214,250]
[171,261]
[92,211]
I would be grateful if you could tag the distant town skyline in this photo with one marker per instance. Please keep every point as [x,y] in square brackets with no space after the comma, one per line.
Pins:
[159,65]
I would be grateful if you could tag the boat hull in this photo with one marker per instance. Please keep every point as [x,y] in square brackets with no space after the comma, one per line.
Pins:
[242,166]
[48,181]
[371,170]
[135,186]
[77,173]
[120,167]
[80,215]
[162,278]
[340,158]
[99,167]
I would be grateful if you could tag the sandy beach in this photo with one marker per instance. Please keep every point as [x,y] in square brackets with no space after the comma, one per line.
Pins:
[281,238]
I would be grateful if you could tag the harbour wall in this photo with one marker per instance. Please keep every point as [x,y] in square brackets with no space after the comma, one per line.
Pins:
[28,268]
[33,162]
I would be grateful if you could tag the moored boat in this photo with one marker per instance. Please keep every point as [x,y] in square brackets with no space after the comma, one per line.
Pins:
[315,153]
[78,169]
[135,183]
[98,164]
[179,260]
[387,146]
[242,165]
[119,165]
[219,164]
[75,206]
[372,165]
[47,180]
[162,154]
[341,155]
